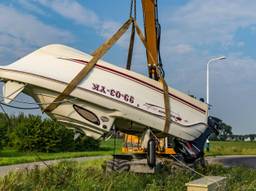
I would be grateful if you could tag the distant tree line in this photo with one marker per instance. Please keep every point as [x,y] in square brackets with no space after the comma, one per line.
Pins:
[248,137]
[226,134]
[32,133]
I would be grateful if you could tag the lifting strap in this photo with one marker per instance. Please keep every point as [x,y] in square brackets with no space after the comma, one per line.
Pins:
[131,45]
[162,81]
[85,71]
[130,51]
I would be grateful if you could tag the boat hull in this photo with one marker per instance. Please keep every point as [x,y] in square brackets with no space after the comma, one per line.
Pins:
[117,97]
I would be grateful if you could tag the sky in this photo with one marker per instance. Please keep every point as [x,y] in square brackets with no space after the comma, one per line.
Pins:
[193,31]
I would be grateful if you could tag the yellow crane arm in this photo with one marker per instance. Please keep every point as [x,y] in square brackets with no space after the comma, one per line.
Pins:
[152,40]
[149,13]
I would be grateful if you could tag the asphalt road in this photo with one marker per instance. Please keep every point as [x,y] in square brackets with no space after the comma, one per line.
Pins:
[4,170]
[234,160]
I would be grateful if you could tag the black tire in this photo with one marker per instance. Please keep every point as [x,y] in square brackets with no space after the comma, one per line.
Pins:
[151,153]
[117,165]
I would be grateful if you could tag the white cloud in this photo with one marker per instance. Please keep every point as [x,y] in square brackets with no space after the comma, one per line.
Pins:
[31,6]
[190,31]
[82,16]
[108,28]
[210,28]
[233,91]
[182,49]
[73,10]
[212,21]
[20,33]
[237,72]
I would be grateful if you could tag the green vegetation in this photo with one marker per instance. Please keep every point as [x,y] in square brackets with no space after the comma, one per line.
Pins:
[89,176]
[32,133]
[232,148]
[24,138]
[12,156]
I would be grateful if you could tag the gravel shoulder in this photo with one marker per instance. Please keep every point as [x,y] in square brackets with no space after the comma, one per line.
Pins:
[4,170]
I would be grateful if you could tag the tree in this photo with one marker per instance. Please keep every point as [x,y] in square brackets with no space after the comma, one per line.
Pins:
[4,127]
[224,131]
[31,133]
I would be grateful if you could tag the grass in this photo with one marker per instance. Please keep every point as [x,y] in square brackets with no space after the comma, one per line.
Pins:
[232,148]
[12,156]
[89,176]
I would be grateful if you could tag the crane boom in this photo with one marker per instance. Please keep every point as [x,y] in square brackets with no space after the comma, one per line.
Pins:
[150,14]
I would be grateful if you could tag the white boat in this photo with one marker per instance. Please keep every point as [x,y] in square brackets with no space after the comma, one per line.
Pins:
[108,96]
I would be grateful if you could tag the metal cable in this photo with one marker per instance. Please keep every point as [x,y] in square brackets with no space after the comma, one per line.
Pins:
[158,31]
[41,160]
[37,103]
[17,107]
[133,9]
[193,170]
[9,125]
[6,116]
[131,5]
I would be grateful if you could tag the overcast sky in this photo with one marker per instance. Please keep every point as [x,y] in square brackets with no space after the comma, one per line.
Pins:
[192,32]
